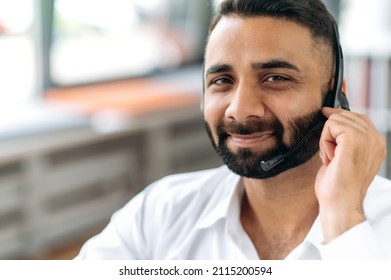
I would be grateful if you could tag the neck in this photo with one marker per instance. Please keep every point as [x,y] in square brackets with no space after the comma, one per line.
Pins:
[289,187]
[284,205]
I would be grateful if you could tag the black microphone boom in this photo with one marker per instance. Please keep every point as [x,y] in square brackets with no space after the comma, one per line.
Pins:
[269,164]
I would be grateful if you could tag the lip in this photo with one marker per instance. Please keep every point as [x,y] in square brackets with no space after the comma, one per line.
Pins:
[250,140]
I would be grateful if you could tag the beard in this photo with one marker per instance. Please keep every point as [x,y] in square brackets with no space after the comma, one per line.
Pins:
[247,163]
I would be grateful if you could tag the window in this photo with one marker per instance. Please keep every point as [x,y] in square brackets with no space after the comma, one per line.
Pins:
[109,39]
[17,52]
[67,42]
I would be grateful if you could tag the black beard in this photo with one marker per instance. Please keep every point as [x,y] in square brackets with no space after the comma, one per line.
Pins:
[248,164]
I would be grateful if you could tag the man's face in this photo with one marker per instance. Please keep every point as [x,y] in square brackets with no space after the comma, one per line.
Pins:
[263,93]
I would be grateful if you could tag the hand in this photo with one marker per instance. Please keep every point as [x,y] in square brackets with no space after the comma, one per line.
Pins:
[351,151]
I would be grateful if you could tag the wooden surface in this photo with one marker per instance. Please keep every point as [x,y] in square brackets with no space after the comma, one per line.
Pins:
[130,97]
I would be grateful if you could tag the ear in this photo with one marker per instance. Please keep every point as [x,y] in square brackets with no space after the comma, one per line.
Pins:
[344,87]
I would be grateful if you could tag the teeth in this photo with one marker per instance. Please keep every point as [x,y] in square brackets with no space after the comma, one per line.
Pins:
[249,140]
[253,135]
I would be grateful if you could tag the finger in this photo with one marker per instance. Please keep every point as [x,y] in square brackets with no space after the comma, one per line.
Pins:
[348,120]
[327,151]
[349,117]
[328,111]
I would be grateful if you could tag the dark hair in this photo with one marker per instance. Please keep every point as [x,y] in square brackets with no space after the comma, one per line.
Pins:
[312,14]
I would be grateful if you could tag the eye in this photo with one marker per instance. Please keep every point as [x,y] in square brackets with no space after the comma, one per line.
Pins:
[276,78]
[277,82]
[221,81]
[220,84]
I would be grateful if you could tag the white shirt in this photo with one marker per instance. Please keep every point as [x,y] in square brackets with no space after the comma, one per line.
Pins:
[197,216]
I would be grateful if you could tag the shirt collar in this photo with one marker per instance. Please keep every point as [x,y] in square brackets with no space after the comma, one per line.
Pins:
[229,206]
[225,206]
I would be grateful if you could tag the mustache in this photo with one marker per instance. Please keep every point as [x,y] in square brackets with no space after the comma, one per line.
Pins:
[250,127]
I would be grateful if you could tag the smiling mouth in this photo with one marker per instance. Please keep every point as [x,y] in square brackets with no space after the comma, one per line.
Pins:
[250,140]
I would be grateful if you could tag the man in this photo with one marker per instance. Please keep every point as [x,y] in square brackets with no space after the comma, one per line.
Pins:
[269,67]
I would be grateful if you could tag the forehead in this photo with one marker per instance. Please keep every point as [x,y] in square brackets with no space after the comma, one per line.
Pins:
[249,39]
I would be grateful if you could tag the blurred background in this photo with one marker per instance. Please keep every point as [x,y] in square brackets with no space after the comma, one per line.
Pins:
[99,98]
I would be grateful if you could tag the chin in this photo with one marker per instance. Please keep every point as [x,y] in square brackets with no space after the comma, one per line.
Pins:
[248,164]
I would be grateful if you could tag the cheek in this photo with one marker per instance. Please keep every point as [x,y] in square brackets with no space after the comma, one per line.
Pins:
[214,109]
[286,110]
[213,114]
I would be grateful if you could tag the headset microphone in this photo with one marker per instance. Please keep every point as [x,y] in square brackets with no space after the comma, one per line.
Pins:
[269,164]
[335,98]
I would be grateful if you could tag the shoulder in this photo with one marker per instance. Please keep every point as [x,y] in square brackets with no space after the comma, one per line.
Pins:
[169,211]
[181,194]
[186,188]
[162,215]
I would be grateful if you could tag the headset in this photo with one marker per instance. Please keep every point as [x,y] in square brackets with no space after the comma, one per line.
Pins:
[336,98]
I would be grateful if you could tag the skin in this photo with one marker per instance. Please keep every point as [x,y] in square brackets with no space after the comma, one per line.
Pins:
[278,212]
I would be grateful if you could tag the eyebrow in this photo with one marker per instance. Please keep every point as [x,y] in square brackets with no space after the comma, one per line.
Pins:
[275,63]
[219,68]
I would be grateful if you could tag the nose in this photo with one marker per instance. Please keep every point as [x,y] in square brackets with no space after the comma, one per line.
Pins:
[245,103]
